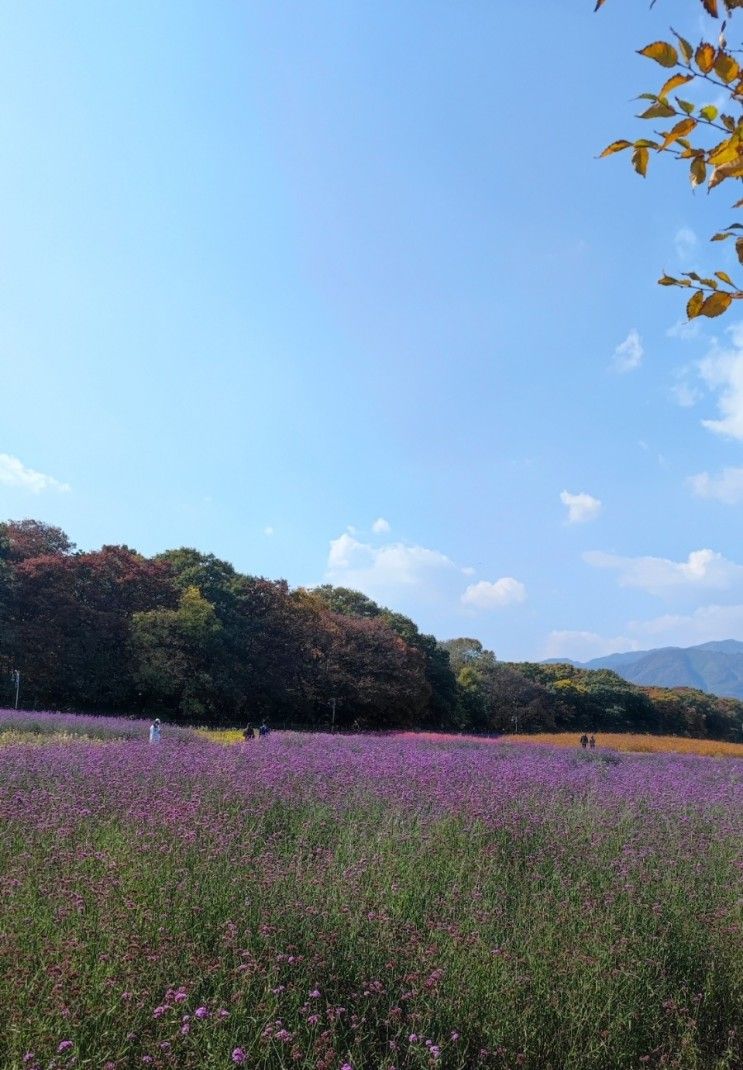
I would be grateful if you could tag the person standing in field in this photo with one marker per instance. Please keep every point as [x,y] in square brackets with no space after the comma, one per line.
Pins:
[155,731]
[592,742]
[248,733]
[263,730]
[584,741]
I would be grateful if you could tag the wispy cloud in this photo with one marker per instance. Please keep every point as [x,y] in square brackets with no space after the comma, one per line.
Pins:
[704,625]
[381,526]
[722,372]
[494,595]
[581,507]
[585,645]
[703,569]
[14,473]
[685,395]
[685,329]
[725,487]
[629,353]
[685,243]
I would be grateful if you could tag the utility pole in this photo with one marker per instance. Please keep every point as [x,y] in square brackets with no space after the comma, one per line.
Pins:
[16,678]
[516,723]
[333,702]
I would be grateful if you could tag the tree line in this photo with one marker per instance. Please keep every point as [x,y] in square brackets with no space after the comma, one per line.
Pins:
[185,635]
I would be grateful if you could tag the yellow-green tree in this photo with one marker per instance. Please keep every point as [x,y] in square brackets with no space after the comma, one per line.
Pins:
[705,139]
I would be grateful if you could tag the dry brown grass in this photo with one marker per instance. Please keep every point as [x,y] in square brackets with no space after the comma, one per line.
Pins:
[642,744]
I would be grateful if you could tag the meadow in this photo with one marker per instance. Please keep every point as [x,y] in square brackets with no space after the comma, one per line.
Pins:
[361,903]
[632,742]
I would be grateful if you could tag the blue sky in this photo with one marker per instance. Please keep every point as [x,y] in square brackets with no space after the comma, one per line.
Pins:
[274,272]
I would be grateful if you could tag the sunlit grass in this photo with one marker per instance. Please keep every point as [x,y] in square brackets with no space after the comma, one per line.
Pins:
[222,735]
[640,744]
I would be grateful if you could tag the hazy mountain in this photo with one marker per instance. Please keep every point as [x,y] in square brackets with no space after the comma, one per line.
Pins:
[716,667]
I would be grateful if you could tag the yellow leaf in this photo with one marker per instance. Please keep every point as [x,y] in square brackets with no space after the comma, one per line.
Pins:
[680,130]
[709,112]
[705,57]
[710,6]
[739,249]
[728,170]
[738,204]
[667,280]
[725,152]
[716,304]
[674,82]
[720,237]
[661,110]
[698,171]
[616,146]
[724,277]
[640,160]
[726,66]
[694,304]
[661,52]
[685,47]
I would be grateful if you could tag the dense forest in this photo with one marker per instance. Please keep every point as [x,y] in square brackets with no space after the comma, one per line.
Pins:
[185,635]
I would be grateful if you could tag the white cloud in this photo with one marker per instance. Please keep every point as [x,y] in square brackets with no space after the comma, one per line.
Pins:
[268,530]
[725,487]
[685,395]
[685,242]
[13,473]
[703,625]
[722,372]
[486,595]
[581,507]
[381,526]
[685,329]
[381,570]
[583,646]
[703,569]
[629,353]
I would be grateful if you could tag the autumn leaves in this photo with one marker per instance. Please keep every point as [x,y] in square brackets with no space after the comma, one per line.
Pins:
[713,163]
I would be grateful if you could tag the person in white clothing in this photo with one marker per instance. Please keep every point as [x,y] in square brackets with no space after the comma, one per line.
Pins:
[155,731]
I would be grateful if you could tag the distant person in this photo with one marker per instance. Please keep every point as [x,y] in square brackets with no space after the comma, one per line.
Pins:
[248,733]
[263,730]
[155,731]
[584,741]
[592,742]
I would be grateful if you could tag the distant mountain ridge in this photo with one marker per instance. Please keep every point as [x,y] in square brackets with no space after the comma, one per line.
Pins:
[715,667]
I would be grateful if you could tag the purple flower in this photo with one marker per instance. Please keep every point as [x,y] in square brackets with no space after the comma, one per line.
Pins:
[201,1013]
[238,1056]
[64,1046]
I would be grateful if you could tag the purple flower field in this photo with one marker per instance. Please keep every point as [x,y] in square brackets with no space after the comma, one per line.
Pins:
[372,904]
[88,726]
